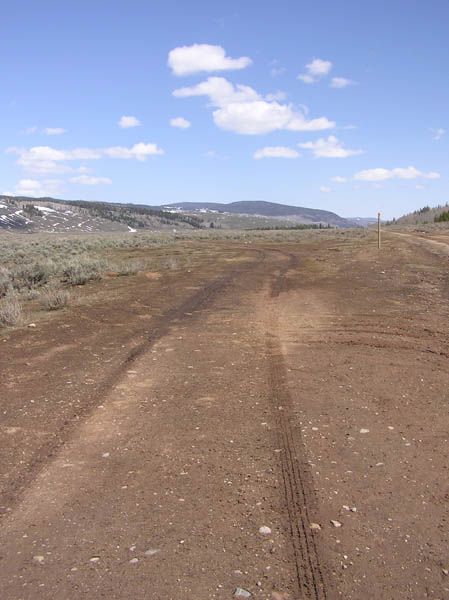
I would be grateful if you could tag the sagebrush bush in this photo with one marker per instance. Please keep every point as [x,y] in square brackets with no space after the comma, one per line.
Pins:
[131,267]
[55,298]
[10,310]
[80,271]
[32,274]
[5,281]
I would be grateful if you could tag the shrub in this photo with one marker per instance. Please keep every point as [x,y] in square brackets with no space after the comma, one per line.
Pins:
[32,275]
[5,281]
[55,298]
[10,311]
[79,271]
[131,267]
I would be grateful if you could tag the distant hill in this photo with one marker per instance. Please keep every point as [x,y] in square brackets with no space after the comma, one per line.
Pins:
[422,216]
[28,215]
[298,214]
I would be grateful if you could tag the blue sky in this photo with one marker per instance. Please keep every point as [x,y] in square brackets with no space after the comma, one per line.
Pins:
[340,105]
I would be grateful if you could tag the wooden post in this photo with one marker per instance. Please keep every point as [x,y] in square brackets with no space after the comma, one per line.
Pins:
[378,230]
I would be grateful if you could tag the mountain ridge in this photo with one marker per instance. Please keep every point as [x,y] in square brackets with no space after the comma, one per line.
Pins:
[267,209]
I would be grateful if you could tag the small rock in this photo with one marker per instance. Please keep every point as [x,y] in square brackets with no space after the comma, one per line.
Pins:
[94,559]
[241,593]
[38,559]
[445,571]
[264,530]
[151,551]
[279,596]
[106,455]
[335,523]
[133,561]
[32,325]
[315,526]
[364,430]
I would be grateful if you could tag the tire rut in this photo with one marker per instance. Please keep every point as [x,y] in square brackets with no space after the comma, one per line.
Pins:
[297,480]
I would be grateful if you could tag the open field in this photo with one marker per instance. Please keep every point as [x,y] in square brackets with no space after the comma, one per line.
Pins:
[204,386]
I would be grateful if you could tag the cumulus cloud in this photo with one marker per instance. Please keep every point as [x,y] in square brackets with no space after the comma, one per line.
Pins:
[54,130]
[329,147]
[315,70]
[90,180]
[197,58]
[339,179]
[437,134]
[381,174]
[45,130]
[36,188]
[340,82]
[276,152]
[276,68]
[128,121]
[139,151]
[325,189]
[45,159]
[239,108]
[180,122]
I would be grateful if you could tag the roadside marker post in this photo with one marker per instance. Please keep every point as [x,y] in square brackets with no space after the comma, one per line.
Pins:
[378,230]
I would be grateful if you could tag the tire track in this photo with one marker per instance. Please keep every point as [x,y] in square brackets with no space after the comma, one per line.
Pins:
[296,476]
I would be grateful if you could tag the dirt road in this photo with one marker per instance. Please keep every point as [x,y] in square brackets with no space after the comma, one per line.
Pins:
[271,421]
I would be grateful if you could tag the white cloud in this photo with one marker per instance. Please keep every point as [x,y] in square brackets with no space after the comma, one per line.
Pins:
[315,70]
[54,130]
[242,110]
[340,82]
[180,122]
[276,68]
[437,134]
[44,159]
[277,96]
[381,174]
[139,151]
[276,152]
[325,189]
[89,180]
[339,179]
[187,60]
[36,188]
[329,147]
[128,121]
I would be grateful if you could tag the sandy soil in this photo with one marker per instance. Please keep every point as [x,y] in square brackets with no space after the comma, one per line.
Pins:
[272,420]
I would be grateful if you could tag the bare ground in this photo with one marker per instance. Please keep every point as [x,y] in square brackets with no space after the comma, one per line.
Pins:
[149,432]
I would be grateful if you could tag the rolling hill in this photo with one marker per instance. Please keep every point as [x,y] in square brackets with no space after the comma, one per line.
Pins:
[423,216]
[273,210]
[28,215]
